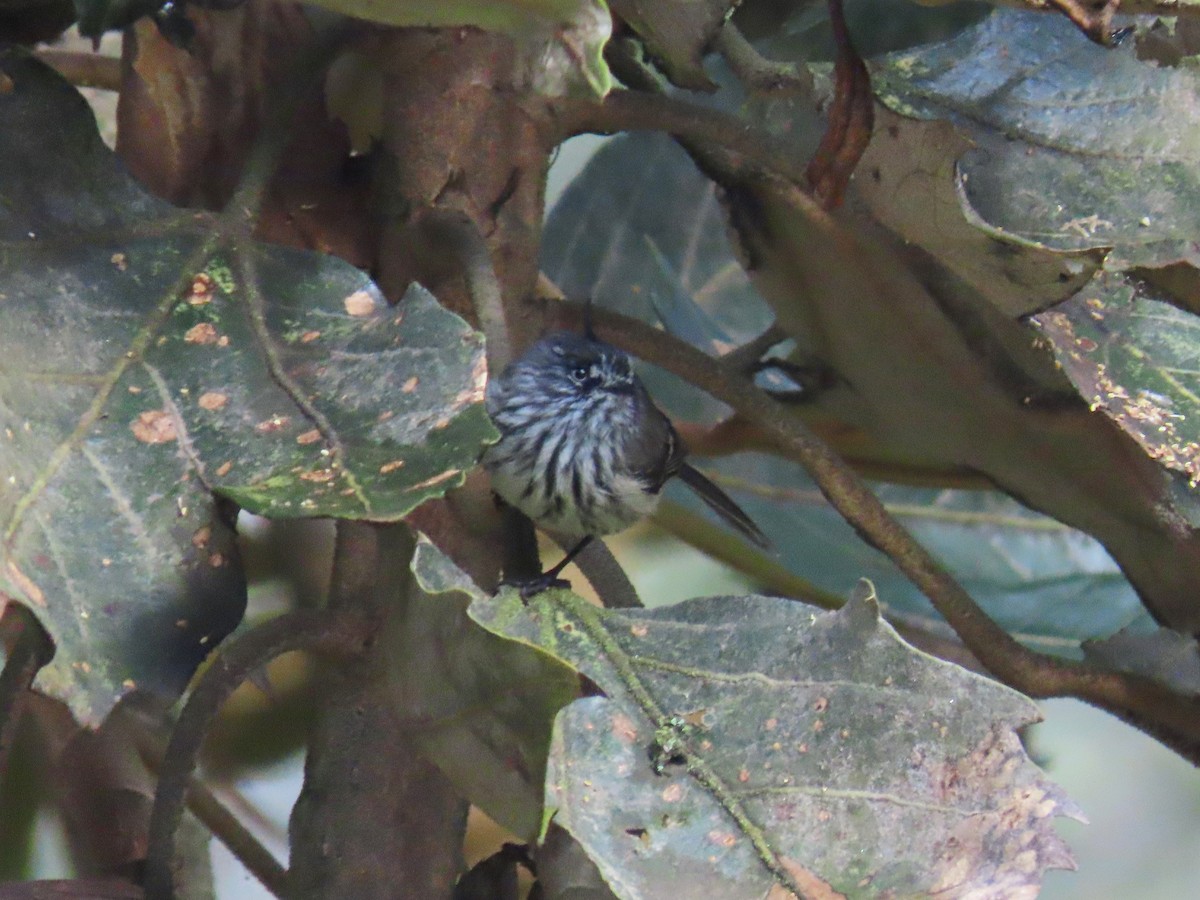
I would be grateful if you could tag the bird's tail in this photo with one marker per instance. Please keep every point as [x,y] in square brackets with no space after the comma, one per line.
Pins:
[722,504]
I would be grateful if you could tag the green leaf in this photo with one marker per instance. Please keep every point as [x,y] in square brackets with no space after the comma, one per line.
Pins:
[924,379]
[482,706]
[564,39]
[147,362]
[1167,656]
[642,231]
[1136,358]
[910,181]
[1049,585]
[746,744]
[1077,146]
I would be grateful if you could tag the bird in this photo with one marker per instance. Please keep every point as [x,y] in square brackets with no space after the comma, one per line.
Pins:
[583,450]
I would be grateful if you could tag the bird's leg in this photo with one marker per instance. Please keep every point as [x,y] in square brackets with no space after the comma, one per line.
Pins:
[566,560]
[530,587]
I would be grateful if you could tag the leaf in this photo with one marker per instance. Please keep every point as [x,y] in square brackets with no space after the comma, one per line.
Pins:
[747,744]
[1136,358]
[1077,146]
[1049,585]
[482,706]
[564,870]
[677,33]
[929,374]
[564,39]
[639,231]
[1167,656]
[616,236]
[909,180]
[147,362]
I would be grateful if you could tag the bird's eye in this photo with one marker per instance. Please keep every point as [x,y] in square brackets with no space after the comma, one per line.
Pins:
[580,374]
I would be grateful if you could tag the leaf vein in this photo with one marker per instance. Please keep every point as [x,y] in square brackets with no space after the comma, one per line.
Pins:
[852,794]
[124,506]
[186,446]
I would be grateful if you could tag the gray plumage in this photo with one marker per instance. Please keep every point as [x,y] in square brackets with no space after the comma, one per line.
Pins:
[583,449]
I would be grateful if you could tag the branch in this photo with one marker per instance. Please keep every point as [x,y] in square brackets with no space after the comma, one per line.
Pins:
[1172,718]
[27,654]
[747,356]
[458,234]
[83,888]
[375,817]
[338,634]
[756,72]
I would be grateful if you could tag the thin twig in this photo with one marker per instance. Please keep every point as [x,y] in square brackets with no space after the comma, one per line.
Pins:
[639,111]
[744,357]
[460,236]
[850,121]
[757,72]
[339,634]
[1172,718]
[213,814]
[30,651]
